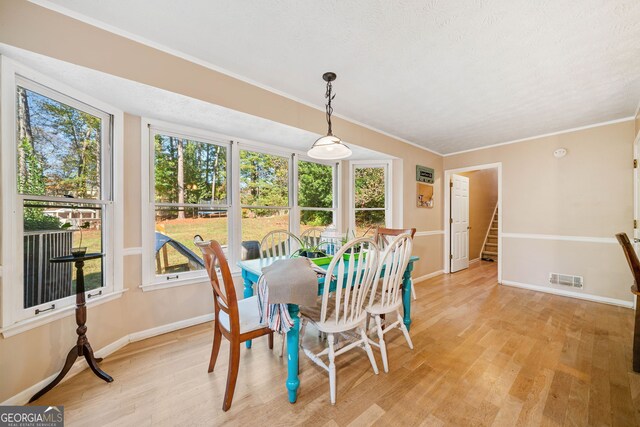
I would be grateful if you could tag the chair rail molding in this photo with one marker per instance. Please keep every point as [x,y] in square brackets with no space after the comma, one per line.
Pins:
[588,239]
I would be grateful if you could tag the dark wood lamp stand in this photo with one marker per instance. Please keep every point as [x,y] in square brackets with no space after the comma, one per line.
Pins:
[82,347]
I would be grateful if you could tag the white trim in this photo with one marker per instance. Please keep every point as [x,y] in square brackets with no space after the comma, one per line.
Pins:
[132,251]
[180,324]
[474,260]
[23,397]
[114,30]
[429,233]
[545,135]
[427,276]
[560,237]
[447,213]
[571,294]
[69,310]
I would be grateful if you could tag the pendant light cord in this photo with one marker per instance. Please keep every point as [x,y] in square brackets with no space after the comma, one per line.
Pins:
[329,109]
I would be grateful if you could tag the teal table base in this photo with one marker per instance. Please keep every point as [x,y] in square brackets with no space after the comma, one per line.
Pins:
[249,278]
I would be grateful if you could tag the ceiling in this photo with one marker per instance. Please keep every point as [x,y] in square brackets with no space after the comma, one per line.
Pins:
[159,104]
[449,75]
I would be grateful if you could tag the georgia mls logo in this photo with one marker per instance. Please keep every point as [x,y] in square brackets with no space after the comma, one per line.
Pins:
[31,416]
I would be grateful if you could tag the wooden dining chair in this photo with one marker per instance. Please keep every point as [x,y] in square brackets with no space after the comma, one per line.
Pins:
[634,265]
[386,296]
[342,306]
[236,320]
[383,236]
[279,244]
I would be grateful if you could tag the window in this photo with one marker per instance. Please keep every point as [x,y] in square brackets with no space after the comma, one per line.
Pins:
[58,151]
[190,197]
[316,200]
[264,194]
[370,197]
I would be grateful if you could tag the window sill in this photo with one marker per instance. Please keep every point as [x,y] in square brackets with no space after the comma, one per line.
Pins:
[34,322]
[182,282]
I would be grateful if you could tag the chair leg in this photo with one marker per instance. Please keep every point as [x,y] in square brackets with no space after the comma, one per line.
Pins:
[332,370]
[271,341]
[232,375]
[367,348]
[413,291]
[404,330]
[383,347]
[215,349]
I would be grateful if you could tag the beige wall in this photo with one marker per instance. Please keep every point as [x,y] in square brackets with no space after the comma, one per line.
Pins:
[32,356]
[483,197]
[549,205]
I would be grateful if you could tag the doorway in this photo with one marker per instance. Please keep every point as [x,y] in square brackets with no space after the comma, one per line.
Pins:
[473,217]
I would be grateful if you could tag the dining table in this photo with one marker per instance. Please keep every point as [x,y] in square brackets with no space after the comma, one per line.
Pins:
[251,272]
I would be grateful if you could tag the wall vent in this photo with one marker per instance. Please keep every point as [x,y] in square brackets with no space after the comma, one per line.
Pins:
[566,280]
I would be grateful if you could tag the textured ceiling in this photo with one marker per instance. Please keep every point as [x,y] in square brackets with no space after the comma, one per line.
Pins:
[147,101]
[449,75]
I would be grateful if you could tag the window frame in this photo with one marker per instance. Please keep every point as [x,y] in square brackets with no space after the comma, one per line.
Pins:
[388,190]
[151,127]
[16,318]
[335,188]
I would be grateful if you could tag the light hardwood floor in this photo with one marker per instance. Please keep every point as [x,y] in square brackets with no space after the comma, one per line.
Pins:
[484,355]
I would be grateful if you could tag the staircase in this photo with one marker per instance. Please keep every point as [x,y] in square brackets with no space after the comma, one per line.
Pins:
[490,247]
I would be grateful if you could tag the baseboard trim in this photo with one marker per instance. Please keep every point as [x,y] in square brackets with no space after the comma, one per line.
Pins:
[570,294]
[159,330]
[474,260]
[427,276]
[23,397]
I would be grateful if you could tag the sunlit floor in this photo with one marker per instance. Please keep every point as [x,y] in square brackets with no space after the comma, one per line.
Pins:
[484,355]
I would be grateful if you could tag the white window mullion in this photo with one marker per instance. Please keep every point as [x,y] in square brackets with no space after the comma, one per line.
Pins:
[235,224]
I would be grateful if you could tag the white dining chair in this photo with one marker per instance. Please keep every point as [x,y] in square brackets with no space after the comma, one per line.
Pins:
[311,237]
[386,296]
[383,236]
[279,244]
[342,306]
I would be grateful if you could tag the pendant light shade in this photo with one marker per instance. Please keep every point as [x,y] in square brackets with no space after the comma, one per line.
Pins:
[329,147]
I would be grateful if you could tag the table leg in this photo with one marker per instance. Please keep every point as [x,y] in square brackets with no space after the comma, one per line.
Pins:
[248,292]
[293,342]
[406,295]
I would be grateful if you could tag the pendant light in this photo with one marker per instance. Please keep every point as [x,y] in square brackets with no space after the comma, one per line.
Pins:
[329,147]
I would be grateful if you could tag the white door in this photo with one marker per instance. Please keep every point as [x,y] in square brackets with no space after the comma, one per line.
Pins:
[459,222]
